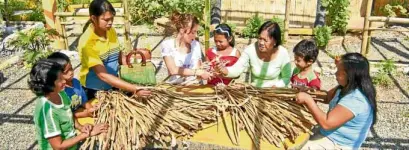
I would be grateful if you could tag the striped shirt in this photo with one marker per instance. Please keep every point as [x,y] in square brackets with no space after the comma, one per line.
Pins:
[95,50]
[53,120]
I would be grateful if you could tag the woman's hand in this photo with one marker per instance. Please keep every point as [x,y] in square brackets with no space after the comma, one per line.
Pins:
[303,98]
[221,69]
[99,128]
[141,92]
[204,74]
[86,130]
[93,110]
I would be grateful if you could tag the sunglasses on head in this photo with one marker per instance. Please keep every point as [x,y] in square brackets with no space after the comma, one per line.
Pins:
[223,31]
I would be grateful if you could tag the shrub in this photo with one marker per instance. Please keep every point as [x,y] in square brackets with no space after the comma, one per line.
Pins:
[252,26]
[35,44]
[322,35]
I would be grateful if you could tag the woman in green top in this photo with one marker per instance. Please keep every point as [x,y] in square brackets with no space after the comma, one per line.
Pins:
[269,62]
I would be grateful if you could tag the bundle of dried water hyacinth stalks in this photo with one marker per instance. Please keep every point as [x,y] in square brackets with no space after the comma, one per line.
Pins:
[135,122]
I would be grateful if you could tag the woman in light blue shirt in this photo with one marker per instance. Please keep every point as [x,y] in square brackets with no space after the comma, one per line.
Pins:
[352,107]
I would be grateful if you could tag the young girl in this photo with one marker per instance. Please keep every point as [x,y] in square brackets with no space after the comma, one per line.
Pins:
[224,51]
[100,53]
[53,116]
[73,87]
[182,54]
[352,107]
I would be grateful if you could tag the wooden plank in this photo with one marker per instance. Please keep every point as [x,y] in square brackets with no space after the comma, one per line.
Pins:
[85,14]
[300,31]
[82,23]
[287,18]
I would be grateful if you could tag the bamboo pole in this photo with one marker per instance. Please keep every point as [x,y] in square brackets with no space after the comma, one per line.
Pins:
[287,18]
[207,24]
[365,37]
[389,19]
[128,45]
[64,36]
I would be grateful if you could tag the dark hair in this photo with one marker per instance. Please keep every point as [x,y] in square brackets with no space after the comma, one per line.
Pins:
[357,69]
[229,36]
[59,58]
[42,77]
[306,49]
[97,8]
[273,30]
[181,21]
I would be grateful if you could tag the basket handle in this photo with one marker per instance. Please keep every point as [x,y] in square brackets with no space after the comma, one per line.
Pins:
[140,51]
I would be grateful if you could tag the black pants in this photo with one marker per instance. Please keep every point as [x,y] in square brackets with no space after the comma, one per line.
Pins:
[91,93]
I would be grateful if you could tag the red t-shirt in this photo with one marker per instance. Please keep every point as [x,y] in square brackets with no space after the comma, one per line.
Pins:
[232,59]
[312,79]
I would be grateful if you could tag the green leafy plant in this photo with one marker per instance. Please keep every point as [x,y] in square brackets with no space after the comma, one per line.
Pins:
[12,5]
[386,68]
[406,114]
[146,11]
[62,5]
[382,79]
[392,10]
[337,14]
[252,25]
[35,44]
[322,35]
[115,1]
[37,15]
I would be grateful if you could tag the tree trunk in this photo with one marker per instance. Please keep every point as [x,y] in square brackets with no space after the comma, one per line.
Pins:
[7,17]
[320,15]
[216,12]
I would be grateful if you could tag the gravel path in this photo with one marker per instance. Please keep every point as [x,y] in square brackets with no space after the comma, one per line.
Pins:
[391,132]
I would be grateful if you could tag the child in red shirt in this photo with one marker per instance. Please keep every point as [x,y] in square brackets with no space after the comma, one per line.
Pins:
[305,54]
[224,52]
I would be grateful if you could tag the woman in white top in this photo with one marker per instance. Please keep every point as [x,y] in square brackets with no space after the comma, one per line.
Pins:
[182,54]
[269,62]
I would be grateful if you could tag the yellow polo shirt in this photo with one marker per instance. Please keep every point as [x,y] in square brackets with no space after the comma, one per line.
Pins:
[95,50]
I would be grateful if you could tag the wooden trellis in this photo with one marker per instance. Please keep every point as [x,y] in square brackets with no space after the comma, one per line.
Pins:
[366,35]
[60,24]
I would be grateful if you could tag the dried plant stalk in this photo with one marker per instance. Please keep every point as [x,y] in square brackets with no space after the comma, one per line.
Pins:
[266,114]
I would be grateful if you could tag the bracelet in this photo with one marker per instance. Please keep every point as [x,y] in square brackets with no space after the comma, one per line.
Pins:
[136,91]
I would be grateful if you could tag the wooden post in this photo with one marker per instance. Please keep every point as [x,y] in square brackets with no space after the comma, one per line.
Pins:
[207,24]
[128,46]
[64,35]
[61,39]
[365,37]
[287,18]
[1,18]
[53,22]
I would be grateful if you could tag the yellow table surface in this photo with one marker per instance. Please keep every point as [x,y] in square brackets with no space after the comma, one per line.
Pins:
[217,133]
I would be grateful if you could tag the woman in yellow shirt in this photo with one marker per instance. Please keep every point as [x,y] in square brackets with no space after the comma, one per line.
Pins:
[100,53]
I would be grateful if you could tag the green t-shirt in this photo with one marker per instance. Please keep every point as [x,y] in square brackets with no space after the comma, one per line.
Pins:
[52,120]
